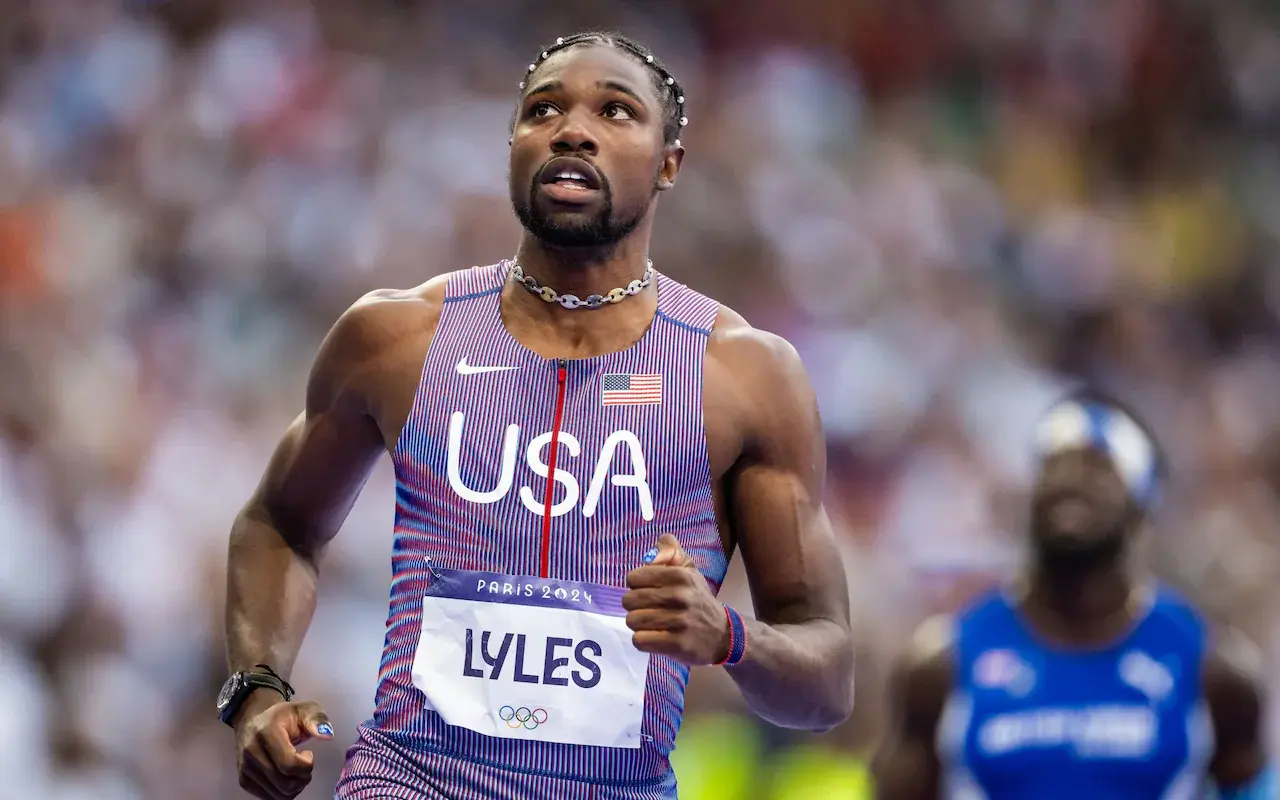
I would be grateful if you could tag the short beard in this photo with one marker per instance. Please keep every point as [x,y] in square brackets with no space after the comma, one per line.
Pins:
[1065,554]
[597,233]
[600,233]
[1104,552]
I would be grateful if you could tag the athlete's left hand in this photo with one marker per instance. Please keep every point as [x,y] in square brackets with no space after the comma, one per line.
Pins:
[672,610]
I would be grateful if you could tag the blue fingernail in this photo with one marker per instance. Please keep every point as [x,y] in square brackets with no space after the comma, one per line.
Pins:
[650,556]
[324,729]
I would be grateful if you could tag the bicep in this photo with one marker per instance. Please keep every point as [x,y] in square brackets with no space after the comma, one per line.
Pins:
[327,453]
[315,474]
[794,566]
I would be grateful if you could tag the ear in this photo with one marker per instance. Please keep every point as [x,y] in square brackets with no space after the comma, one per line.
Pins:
[673,157]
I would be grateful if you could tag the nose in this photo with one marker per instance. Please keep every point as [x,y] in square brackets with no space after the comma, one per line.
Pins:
[1063,469]
[574,136]
[1086,469]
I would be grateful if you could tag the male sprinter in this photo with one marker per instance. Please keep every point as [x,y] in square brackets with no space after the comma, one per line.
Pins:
[1086,684]
[541,629]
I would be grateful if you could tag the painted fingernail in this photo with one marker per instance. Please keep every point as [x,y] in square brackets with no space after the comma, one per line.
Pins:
[650,556]
[324,729]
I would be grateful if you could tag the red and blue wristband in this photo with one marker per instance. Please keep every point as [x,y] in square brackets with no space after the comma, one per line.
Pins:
[737,638]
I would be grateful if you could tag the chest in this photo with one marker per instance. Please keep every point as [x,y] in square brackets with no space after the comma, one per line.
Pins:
[1093,722]
[599,438]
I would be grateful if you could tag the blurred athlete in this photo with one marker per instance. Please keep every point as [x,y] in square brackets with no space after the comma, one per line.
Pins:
[1083,683]
[541,631]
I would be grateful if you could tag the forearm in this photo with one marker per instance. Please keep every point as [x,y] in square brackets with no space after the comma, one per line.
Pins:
[271,597]
[897,783]
[905,771]
[797,676]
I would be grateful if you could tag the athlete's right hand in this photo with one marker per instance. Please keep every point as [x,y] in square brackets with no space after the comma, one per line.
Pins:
[267,737]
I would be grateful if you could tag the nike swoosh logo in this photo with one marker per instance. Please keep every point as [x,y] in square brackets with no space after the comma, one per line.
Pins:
[466,369]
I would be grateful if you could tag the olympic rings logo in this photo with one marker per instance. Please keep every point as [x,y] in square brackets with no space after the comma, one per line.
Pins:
[522,717]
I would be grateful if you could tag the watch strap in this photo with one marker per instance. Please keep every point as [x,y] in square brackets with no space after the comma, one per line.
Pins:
[249,682]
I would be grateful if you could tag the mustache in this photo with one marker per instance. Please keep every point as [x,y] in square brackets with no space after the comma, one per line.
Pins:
[1051,496]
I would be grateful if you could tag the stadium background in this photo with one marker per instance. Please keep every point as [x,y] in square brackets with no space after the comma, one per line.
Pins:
[946,204]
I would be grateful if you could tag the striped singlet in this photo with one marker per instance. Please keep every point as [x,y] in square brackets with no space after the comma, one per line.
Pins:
[507,670]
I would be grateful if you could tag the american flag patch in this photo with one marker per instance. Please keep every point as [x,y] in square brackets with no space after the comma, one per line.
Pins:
[631,390]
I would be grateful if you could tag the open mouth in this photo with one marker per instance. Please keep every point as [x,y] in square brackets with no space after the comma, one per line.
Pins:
[569,178]
[1069,512]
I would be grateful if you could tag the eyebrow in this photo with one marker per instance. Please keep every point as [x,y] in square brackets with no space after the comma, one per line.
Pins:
[614,86]
[548,86]
[621,88]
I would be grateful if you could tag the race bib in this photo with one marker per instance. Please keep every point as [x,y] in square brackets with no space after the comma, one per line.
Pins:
[531,658]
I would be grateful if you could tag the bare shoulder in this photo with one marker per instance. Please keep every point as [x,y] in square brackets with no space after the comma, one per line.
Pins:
[378,318]
[1235,652]
[374,336]
[923,674]
[931,648]
[1233,673]
[758,377]
[759,397]
[752,353]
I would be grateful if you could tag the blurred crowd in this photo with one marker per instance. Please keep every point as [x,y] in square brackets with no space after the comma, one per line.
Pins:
[951,207]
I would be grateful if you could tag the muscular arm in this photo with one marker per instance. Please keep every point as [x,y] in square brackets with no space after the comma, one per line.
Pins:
[1233,691]
[905,765]
[310,484]
[798,667]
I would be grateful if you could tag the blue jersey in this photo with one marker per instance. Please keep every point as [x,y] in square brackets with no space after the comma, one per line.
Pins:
[1028,720]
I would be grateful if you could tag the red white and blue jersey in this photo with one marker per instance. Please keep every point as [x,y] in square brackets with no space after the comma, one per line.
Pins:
[480,525]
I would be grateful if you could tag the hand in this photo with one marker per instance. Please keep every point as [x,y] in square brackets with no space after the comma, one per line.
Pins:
[672,610]
[270,765]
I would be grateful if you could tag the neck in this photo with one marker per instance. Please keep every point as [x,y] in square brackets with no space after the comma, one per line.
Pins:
[584,271]
[558,332]
[1080,602]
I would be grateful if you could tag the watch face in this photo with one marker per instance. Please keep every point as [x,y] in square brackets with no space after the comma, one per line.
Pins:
[229,690]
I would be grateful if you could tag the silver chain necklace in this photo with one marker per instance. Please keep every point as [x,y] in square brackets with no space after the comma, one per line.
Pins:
[594,301]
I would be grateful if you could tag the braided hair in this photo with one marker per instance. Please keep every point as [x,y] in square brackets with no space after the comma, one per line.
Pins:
[664,83]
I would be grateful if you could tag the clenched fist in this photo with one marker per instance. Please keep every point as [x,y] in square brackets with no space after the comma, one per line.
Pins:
[672,610]
[271,766]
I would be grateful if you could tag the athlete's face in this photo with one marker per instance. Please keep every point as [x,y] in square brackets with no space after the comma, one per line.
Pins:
[587,152]
[1081,508]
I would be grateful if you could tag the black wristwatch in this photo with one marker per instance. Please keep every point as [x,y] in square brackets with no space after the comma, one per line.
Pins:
[242,684]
